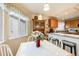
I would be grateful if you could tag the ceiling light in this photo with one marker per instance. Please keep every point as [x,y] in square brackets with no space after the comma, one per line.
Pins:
[66,13]
[46,7]
[40,17]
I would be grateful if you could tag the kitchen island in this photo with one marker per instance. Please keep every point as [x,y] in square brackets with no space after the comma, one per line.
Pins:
[69,37]
[67,34]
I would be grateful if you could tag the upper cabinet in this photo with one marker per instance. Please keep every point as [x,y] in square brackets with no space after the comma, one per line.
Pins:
[53,22]
[72,23]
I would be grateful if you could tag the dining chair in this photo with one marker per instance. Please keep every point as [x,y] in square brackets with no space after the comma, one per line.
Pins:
[5,50]
[30,38]
[71,45]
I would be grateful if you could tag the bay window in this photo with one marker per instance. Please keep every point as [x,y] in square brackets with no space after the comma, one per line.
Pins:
[13,26]
[18,25]
[1,23]
[22,27]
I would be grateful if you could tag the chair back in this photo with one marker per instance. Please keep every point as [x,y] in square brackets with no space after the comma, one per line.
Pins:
[5,50]
[30,38]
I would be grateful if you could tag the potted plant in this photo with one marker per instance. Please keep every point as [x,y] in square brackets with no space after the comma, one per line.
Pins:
[38,36]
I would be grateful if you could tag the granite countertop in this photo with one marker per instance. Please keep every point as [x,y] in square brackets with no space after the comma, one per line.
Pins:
[69,35]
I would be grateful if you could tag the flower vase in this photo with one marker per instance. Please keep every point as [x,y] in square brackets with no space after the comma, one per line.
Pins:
[38,43]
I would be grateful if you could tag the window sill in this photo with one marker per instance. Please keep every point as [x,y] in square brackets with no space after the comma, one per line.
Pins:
[2,41]
[13,38]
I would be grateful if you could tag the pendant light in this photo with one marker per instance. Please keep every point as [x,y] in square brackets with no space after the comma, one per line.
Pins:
[40,17]
[46,7]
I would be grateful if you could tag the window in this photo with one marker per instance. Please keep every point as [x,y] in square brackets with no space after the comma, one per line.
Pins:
[60,26]
[13,21]
[18,25]
[27,24]
[22,27]
[1,24]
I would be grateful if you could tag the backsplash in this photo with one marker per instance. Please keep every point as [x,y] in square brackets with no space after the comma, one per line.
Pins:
[73,30]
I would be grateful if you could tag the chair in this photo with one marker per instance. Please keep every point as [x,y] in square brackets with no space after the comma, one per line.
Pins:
[55,41]
[5,50]
[30,38]
[69,44]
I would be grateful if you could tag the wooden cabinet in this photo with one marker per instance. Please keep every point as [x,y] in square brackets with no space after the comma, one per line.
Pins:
[71,23]
[38,25]
[53,22]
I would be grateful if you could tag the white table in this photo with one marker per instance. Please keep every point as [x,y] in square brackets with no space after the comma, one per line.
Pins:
[46,49]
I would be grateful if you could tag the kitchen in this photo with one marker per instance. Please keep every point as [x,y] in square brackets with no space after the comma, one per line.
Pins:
[66,28]
[60,22]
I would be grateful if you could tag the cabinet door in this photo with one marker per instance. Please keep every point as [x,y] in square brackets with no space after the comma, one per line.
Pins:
[53,23]
[67,24]
[71,23]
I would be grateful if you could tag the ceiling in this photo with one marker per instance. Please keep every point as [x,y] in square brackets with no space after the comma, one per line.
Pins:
[60,10]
